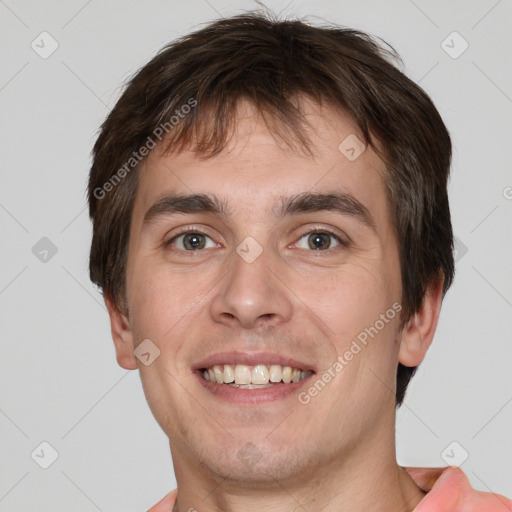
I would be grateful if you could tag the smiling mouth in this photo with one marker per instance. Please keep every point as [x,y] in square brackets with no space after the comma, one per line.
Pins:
[253,377]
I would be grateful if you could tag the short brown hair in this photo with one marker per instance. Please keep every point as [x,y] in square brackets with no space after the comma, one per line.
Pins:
[271,63]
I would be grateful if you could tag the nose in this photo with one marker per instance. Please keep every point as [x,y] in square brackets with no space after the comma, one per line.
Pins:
[251,294]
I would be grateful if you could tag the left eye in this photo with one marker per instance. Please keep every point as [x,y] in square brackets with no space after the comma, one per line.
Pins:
[191,241]
[318,240]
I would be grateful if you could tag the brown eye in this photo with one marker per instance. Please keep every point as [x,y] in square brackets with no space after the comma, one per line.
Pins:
[320,241]
[191,241]
[194,241]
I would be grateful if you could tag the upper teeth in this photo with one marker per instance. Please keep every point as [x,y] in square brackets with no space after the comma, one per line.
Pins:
[259,374]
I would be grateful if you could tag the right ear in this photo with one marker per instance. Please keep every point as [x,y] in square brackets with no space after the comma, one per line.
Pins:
[121,334]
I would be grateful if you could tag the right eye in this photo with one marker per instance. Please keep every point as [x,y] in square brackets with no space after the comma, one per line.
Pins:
[190,241]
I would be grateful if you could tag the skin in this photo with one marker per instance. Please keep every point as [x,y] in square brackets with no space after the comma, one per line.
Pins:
[337,453]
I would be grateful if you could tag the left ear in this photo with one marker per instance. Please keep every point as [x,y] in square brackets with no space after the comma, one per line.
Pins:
[419,331]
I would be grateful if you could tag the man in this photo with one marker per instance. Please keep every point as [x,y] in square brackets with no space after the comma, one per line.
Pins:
[272,235]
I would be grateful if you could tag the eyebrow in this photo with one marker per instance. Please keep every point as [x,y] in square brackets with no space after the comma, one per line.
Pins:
[341,202]
[306,202]
[191,203]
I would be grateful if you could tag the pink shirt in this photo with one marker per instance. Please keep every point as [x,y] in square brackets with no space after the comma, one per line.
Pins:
[448,490]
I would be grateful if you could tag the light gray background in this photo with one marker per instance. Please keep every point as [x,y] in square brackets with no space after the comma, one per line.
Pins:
[60,382]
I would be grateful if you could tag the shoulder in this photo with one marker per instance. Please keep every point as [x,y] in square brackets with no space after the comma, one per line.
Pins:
[449,489]
[165,504]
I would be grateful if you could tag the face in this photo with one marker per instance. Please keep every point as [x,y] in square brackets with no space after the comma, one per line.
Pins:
[253,281]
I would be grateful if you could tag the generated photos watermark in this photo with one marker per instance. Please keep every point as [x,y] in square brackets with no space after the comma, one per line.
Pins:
[137,156]
[305,397]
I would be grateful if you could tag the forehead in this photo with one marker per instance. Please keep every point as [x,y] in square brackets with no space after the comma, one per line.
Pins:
[256,168]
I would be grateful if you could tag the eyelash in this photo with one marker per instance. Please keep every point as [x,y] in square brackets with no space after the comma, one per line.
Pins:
[343,243]
[189,231]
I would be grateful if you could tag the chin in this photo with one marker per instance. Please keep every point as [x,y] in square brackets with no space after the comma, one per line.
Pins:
[256,464]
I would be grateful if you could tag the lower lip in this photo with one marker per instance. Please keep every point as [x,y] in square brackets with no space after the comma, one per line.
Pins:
[252,396]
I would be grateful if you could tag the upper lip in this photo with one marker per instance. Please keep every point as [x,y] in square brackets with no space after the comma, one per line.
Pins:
[250,359]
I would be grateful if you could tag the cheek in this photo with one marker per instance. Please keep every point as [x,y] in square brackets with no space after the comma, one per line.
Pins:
[156,302]
[352,297]
[163,294]
[360,308]
[364,320]
[168,307]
